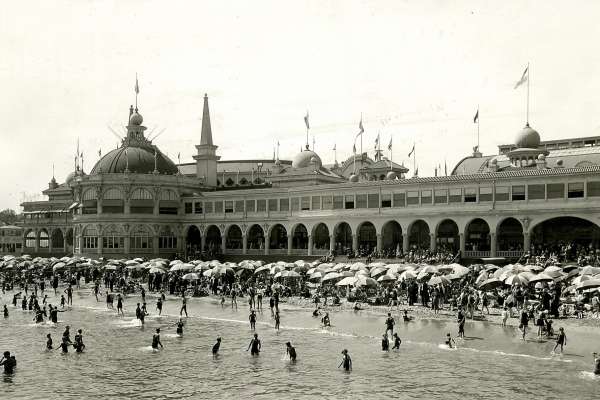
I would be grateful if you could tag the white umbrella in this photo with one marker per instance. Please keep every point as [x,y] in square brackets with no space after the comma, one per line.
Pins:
[190,277]
[408,274]
[156,270]
[348,281]
[315,276]
[132,262]
[331,276]
[386,278]
[365,281]
[541,277]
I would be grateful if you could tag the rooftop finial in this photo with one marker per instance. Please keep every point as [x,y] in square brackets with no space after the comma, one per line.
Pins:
[137,90]
[206,133]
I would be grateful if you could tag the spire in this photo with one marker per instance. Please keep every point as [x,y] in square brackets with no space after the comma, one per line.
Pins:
[206,135]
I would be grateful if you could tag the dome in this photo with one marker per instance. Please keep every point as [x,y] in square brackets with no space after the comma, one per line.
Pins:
[70,177]
[136,118]
[305,159]
[541,157]
[527,138]
[391,176]
[139,159]
[353,178]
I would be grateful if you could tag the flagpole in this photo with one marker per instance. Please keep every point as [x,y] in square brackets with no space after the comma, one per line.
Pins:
[361,135]
[478,118]
[528,79]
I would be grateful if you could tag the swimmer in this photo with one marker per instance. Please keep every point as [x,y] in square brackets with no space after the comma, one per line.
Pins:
[79,346]
[504,316]
[255,345]
[64,346]
[39,316]
[397,342]
[461,319]
[49,342]
[357,306]
[450,342]
[180,327]
[561,340]
[389,324]
[406,317]
[290,351]
[216,347]
[277,320]
[5,311]
[156,340]
[325,320]
[143,292]
[222,301]
[67,334]
[252,319]
[8,362]
[524,322]
[316,312]
[596,364]
[15,297]
[96,290]
[233,299]
[385,343]
[346,361]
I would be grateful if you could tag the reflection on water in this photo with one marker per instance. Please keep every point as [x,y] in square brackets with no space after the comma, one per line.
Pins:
[491,362]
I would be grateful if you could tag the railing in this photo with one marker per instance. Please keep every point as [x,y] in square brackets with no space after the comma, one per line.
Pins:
[255,251]
[299,252]
[477,254]
[278,251]
[509,253]
[233,251]
[320,252]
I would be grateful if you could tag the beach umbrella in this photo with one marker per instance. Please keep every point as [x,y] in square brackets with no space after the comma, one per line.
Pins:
[175,262]
[315,276]
[156,270]
[483,276]
[541,277]
[459,269]
[110,267]
[491,267]
[302,268]
[589,284]
[439,280]
[222,270]
[377,271]
[348,281]
[331,277]
[347,273]
[289,274]
[570,267]
[363,280]
[534,268]
[491,283]
[132,262]
[386,278]
[208,273]
[190,277]
[357,265]
[136,267]
[589,270]
[515,280]
[58,266]
[581,279]
[408,274]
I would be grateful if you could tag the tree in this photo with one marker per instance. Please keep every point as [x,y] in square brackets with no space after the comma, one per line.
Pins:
[8,216]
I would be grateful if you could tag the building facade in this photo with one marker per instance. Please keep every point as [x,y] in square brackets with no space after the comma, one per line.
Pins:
[135,201]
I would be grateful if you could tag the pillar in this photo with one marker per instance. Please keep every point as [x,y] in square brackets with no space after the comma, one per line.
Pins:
[289,244]
[65,245]
[354,242]
[127,244]
[310,245]
[492,245]
[223,244]
[127,207]
[267,243]
[405,243]
[526,242]
[462,244]
[432,241]
[202,243]
[331,242]
[155,249]
[37,241]
[244,244]
[99,245]
[49,243]
[379,241]
[80,240]
[99,206]
[180,243]
[155,211]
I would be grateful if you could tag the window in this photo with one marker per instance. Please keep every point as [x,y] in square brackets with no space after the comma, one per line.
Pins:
[218,207]
[239,206]
[140,239]
[284,204]
[250,206]
[502,193]
[338,202]
[188,208]
[113,239]
[228,207]
[209,207]
[316,202]
[386,200]
[30,239]
[373,200]
[295,203]
[305,203]
[361,201]
[261,205]
[327,202]
[575,190]
[273,204]
[518,193]
[455,196]
[349,202]
[555,190]
[90,238]
[412,198]
[470,195]
[593,189]
[198,207]
[536,192]
[486,194]
[112,202]
[440,196]
[167,240]
[426,197]
[399,199]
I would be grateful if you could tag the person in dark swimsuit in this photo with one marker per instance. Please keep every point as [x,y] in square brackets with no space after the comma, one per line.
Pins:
[450,342]
[183,305]
[346,361]
[291,351]
[325,320]
[156,340]
[561,340]
[596,364]
[254,345]
[5,311]
[49,342]
[79,346]
[120,305]
[524,322]
[389,324]
[8,362]
[277,320]
[180,327]
[461,318]
[216,347]
[64,346]
[316,312]
[385,343]
[252,319]
[405,317]
[159,305]
[397,342]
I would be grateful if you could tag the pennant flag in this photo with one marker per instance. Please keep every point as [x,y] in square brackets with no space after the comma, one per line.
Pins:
[377,141]
[476,118]
[390,145]
[360,127]
[524,77]
[137,87]
[445,168]
[306,120]
[99,152]
[81,154]
[412,151]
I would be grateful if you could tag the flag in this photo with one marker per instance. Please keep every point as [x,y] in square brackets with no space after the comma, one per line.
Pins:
[137,87]
[81,155]
[390,145]
[476,117]
[445,168]
[99,152]
[524,77]
[360,128]
[306,120]
[412,151]
[436,169]
[417,171]
[377,141]
[354,148]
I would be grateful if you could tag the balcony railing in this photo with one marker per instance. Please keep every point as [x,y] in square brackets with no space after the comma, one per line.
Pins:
[509,253]
[477,254]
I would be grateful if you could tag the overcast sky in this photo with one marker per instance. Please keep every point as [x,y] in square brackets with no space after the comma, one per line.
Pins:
[416,70]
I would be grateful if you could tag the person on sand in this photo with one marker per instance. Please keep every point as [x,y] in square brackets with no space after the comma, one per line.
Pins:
[255,345]
[450,342]
[385,343]
[290,351]
[346,361]
[156,340]
[216,347]
[561,340]
[325,320]
[397,342]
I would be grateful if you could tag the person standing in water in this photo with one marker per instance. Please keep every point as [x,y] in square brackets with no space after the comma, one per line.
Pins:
[5,311]
[397,342]
[69,292]
[346,361]
[96,290]
[252,319]
[255,346]
[277,320]
[216,347]
[389,324]
[8,362]
[183,305]
[461,323]
[156,340]
[325,320]
[524,322]
[180,327]
[159,305]
[233,298]
[561,340]
[385,343]
[290,351]
[120,304]
[49,342]
[450,342]
[79,346]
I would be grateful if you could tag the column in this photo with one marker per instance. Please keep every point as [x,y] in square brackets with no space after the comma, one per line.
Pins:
[65,246]
[354,242]
[432,241]
[492,244]
[289,244]
[244,244]
[49,243]
[379,241]
[202,243]
[405,243]
[526,242]
[223,244]
[80,239]
[462,244]
[155,249]
[127,207]
[99,250]
[127,244]
[331,242]
[310,245]
[37,241]
[180,243]
[267,244]
[156,203]
[99,206]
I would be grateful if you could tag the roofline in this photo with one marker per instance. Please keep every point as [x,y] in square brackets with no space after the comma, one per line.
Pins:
[270,160]
[553,141]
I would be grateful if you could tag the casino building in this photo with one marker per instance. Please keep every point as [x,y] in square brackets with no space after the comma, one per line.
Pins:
[136,202]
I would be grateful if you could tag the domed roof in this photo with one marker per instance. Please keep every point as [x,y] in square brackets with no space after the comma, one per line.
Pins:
[306,158]
[136,118]
[391,176]
[353,178]
[527,138]
[139,159]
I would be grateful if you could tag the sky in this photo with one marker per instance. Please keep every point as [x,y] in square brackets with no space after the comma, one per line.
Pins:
[416,71]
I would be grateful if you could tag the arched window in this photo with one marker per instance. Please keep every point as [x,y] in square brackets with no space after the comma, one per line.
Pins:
[30,239]
[229,182]
[167,239]
[90,238]
[113,238]
[243,181]
[90,202]
[112,202]
[141,202]
[43,239]
[168,202]
[141,239]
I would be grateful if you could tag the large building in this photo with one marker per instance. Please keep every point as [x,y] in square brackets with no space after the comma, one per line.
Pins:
[136,201]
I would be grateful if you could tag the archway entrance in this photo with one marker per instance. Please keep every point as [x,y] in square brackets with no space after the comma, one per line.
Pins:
[447,236]
[300,237]
[343,238]
[213,240]
[58,240]
[391,240]
[419,237]
[256,238]
[69,237]
[193,241]
[477,236]
[367,238]
[510,235]
[321,237]
[569,237]
[234,238]
[278,238]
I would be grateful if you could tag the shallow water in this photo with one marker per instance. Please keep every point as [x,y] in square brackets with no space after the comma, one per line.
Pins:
[492,362]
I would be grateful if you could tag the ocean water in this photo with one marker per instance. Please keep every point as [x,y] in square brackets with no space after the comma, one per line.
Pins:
[491,363]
